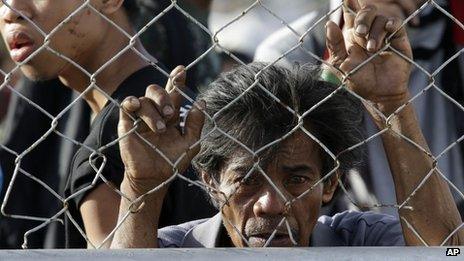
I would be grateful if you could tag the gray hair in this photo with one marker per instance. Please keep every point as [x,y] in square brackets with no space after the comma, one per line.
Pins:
[257,119]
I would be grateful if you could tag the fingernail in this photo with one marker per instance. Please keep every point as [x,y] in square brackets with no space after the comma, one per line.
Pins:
[389,24]
[167,110]
[177,74]
[132,102]
[160,125]
[371,45]
[361,29]
[176,70]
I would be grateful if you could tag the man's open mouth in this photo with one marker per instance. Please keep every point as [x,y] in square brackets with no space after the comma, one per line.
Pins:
[20,44]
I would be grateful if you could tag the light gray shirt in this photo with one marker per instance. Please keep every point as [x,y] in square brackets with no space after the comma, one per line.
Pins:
[349,228]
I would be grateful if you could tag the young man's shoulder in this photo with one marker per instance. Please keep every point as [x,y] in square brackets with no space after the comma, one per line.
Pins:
[101,146]
[104,126]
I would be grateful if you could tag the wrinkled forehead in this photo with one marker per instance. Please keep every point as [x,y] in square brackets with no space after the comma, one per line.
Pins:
[298,148]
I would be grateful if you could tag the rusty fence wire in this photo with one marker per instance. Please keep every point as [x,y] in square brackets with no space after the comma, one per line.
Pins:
[216,45]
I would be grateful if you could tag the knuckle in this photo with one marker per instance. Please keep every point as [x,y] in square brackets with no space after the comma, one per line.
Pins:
[382,19]
[162,100]
[177,70]
[146,109]
[130,103]
[153,90]
[158,96]
[370,8]
[143,101]
[128,99]
[397,20]
[154,115]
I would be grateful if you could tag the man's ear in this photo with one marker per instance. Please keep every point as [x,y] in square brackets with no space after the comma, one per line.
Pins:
[329,188]
[212,188]
[111,6]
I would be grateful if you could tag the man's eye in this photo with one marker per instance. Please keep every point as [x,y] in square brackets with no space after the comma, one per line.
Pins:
[297,180]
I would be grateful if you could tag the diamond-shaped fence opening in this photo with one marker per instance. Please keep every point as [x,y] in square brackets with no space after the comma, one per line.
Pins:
[97,170]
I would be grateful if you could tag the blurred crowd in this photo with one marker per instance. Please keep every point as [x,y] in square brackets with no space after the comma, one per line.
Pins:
[257,35]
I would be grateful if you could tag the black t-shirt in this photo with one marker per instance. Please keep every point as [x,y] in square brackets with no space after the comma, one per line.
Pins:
[48,161]
[183,202]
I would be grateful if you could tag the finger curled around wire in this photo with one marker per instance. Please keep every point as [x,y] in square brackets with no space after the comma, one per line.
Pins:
[151,116]
[194,124]
[160,100]
[364,20]
[144,109]
[393,24]
[131,104]
[177,78]
[398,37]
[377,34]
[409,7]
[126,114]
[176,84]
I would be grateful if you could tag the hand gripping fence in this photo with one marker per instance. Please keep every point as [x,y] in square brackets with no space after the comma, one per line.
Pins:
[216,45]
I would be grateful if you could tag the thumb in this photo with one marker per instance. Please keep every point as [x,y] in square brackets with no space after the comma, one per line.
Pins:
[194,125]
[335,44]
[126,122]
[177,80]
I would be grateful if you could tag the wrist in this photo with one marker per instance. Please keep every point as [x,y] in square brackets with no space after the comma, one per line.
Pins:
[402,120]
[135,188]
[390,104]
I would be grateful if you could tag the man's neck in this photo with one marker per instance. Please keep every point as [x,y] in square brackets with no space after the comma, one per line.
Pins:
[107,76]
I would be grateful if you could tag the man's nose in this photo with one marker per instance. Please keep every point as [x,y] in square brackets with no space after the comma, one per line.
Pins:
[14,10]
[269,203]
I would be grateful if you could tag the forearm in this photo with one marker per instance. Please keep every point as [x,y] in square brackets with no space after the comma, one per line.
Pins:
[139,227]
[99,213]
[410,166]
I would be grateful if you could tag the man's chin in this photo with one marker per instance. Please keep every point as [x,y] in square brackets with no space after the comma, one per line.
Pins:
[277,241]
[34,75]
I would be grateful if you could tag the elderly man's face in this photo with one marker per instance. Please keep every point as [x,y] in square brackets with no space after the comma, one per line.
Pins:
[255,207]
[76,39]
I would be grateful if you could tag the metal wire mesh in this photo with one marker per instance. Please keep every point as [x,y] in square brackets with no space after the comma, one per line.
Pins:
[216,45]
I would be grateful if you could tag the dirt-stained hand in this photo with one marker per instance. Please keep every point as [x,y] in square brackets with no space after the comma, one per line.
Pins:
[158,111]
[385,77]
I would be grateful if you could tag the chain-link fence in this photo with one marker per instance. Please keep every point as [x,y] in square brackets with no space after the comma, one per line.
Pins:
[29,32]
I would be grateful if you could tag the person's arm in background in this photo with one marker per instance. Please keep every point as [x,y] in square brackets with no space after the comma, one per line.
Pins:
[383,80]
[100,214]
